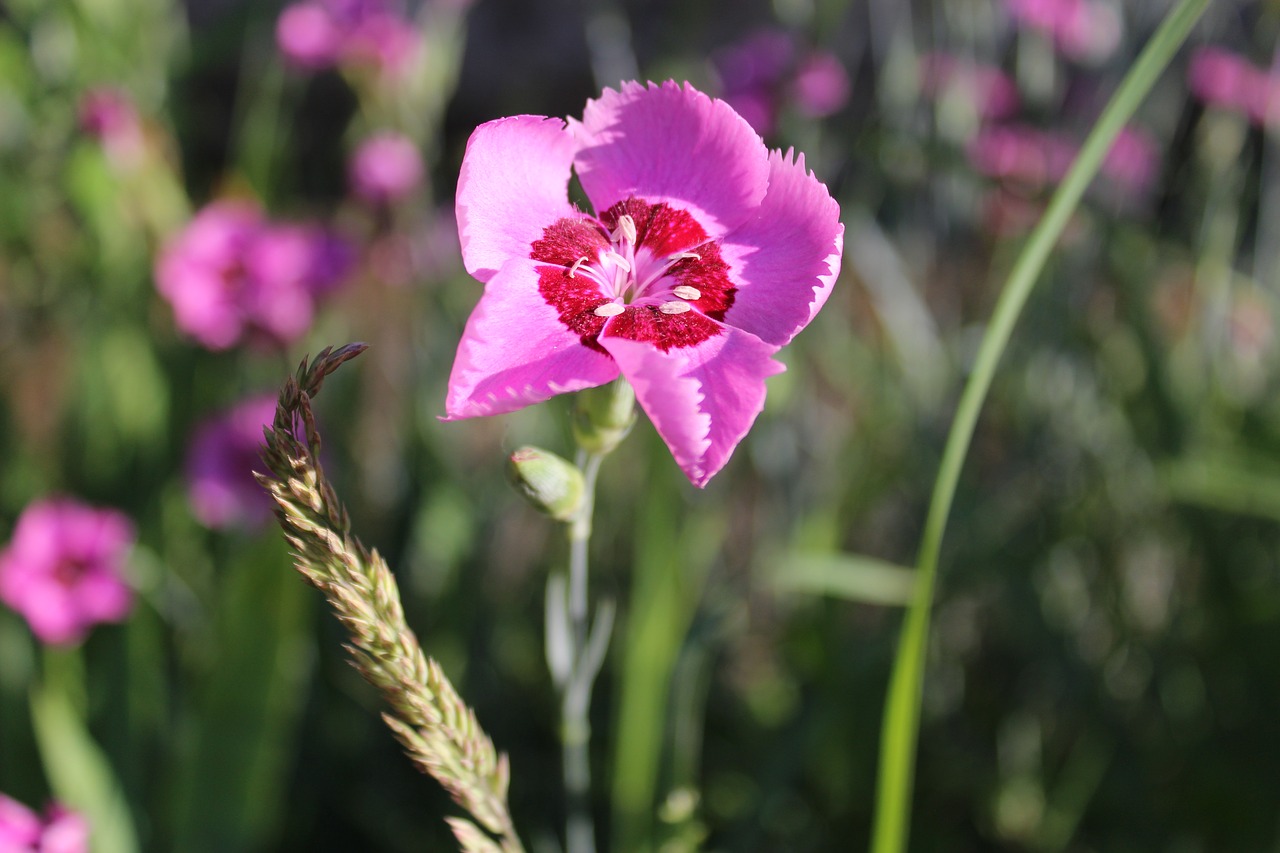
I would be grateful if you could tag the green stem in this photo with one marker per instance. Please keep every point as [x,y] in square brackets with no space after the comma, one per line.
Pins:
[575,700]
[900,729]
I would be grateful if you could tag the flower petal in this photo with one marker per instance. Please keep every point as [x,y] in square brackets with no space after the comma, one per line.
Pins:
[785,260]
[516,350]
[674,144]
[702,399]
[514,183]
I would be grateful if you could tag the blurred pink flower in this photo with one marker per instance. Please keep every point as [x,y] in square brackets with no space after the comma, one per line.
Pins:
[820,86]
[385,42]
[19,827]
[1228,81]
[1222,79]
[767,70]
[318,34]
[231,276]
[1081,29]
[63,568]
[1133,160]
[23,831]
[109,116]
[992,92]
[707,255]
[221,460]
[309,36]
[1021,154]
[385,167]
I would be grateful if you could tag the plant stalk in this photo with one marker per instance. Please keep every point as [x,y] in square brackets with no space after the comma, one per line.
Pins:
[900,729]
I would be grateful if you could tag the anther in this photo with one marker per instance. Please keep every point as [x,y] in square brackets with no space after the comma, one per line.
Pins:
[684,291]
[579,262]
[608,309]
[680,256]
[618,261]
[674,307]
[626,227]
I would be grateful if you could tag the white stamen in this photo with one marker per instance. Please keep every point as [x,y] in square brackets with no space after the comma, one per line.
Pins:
[579,262]
[608,309]
[684,291]
[626,227]
[674,307]
[618,261]
[683,255]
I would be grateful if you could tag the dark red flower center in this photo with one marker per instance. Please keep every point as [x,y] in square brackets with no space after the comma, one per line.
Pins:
[649,271]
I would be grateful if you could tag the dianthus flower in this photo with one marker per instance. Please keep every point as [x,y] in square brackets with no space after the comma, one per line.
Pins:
[1232,83]
[1082,29]
[767,71]
[1021,154]
[706,253]
[109,115]
[319,34]
[221,460]
[385,167]
[24,831]
[63,569]
[230,275]
[992,93]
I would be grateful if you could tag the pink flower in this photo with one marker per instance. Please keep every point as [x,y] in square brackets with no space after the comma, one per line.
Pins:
[109,116]
[309,36]
[821,85]
[23,831]
[707,253]
[1021,154]
[1230,82]
[764,71]
[231,276]
[319,34]
[1080,28]
[1133,160]
[63,569]
[992,93]
[221,460]
[385,167]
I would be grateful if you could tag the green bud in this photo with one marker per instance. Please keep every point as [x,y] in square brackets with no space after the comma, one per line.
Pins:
[603,416]
[551,483]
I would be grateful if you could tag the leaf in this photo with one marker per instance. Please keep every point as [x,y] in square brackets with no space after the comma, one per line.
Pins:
[853,577]
[78,771]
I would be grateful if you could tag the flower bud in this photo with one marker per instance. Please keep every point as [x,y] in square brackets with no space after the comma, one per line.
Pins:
[603,416]
[551,483]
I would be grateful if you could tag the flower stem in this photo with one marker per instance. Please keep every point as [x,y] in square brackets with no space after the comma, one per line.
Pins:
[900,728]
[585,654]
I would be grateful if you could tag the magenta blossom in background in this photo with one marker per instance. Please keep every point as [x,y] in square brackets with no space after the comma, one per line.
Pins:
[108,115]
[767,70]
[222,457]
[63,569]
[24,831]
[1021,154]
[1228,81]
[309,36]
[1087,30]
[230,275]
[1133,160]
[820,86]
[385,167]
[319,34]
[992,93]
[706,254]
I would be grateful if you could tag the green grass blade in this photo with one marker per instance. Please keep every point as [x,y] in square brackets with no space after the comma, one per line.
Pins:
[900,728]
[853,577]
[76,767]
